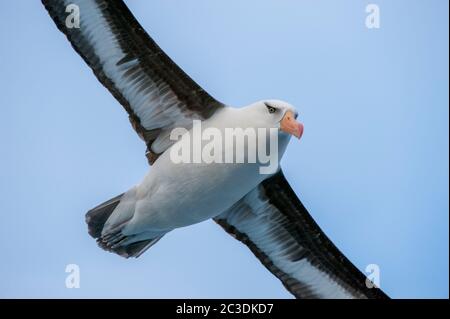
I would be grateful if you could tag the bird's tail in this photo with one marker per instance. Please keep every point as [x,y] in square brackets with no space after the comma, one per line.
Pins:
[112,239]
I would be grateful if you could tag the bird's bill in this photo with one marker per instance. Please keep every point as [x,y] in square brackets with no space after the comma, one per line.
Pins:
[289,125]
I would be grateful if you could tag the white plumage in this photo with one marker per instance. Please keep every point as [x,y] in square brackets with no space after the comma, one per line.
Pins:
[178,195]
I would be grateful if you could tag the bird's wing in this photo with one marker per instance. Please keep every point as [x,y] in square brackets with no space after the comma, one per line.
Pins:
[278,229]
[155,92]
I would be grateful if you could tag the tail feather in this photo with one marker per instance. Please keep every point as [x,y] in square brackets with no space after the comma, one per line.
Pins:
[134,249]
[113,240]
[97,217]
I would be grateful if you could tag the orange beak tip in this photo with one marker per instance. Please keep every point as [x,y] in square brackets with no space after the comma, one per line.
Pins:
[291,126]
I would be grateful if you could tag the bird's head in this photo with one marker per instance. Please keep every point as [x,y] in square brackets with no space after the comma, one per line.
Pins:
[281,115]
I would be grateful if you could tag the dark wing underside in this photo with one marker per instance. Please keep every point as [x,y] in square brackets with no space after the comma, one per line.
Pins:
[278,229]
[155,92]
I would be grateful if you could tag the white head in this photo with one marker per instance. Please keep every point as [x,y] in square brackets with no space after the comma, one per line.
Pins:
[278,114]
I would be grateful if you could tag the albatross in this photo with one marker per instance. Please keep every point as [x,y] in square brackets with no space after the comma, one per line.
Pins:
[260,210]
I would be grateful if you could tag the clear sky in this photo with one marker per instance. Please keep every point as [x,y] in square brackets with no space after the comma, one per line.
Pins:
[372,167]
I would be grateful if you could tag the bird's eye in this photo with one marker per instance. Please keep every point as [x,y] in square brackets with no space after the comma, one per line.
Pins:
[271,109]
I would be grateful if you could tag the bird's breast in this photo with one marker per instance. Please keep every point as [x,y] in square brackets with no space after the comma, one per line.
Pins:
[191,193]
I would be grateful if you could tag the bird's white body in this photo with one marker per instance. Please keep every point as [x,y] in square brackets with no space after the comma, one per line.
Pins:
[174,195]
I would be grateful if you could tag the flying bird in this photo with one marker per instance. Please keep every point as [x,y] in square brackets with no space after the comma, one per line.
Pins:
[260,210]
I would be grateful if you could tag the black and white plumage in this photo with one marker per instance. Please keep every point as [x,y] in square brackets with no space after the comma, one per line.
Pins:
[262,211]
[278,229]
[155,92]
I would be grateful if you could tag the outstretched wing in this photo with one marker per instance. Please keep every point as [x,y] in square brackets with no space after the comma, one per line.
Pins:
[155,92]
[278,229]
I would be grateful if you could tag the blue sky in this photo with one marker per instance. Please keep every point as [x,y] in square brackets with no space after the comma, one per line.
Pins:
[372,166]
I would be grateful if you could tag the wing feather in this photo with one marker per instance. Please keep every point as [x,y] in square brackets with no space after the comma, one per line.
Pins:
[278,229]
[155,92]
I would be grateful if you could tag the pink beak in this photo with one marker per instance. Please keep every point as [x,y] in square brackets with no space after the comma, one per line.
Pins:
[289,125]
